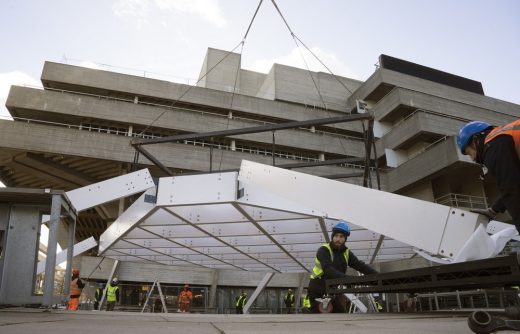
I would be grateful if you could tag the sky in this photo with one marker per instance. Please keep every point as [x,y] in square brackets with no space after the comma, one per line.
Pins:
[477,39]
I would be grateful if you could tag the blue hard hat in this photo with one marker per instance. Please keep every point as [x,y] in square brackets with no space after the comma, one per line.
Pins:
[341,227]
[468,131]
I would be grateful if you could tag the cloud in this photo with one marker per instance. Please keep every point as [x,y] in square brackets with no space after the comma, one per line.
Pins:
[137,10]
[294,58]
[141,10]
[13,78]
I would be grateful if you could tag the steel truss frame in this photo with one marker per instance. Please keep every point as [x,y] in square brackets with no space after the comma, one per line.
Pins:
[494,272]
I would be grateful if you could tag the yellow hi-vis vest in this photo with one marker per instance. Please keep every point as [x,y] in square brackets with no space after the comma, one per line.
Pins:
[306,302]
[317,271]
[111,293]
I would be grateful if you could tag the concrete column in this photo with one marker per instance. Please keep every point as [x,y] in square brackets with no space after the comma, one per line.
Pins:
[233,145]
[321,157]
[213,289]
[230,115]
[130,130]
[313,129]
[136,99]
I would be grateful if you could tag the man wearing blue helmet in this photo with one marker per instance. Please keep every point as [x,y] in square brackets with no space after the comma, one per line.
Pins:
[497,148]
[332,261]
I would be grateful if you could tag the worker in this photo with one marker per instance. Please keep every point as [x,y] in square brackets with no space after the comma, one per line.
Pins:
[185,298]
[332,261]
[240,303]
[112,292]
[289,300]
[98,295]
[306,302]
[76,286]
[498,149]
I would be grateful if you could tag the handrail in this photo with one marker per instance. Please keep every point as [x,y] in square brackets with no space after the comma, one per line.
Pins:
[462,200]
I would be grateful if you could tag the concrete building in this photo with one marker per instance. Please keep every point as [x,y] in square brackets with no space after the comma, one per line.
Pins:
[78,129]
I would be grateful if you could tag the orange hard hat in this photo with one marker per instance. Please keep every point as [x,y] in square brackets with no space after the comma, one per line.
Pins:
[186,286]
[75,271]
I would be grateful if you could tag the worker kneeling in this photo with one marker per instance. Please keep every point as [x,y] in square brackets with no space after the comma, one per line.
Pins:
[332,261]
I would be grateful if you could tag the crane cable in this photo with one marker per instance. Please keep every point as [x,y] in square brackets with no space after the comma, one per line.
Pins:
[136,156]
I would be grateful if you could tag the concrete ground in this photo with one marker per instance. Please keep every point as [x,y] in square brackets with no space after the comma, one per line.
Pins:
[34,321]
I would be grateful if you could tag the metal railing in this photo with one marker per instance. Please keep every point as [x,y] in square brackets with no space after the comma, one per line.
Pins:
[462,201]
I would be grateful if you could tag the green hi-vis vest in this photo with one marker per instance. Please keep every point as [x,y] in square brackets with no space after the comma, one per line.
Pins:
[241,301]
[306,302]
[111,293]
[317,271]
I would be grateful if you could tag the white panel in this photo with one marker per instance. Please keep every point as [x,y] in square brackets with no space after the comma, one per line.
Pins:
[149,243]
[461,223]
[300,238]
[111,189]
[415,222]
[192,189]
[259,213]
[247,240]
[138,233]
[216,251]
[175,231]
[292,226]
[124,223]
[205,214]
[198,242]
[122,244]
[177,252]
[61,257]
[230,229]
[162,217]
[138,251]
[261,197]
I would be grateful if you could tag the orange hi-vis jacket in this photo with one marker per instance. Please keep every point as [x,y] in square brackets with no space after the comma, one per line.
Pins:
[512,129]
[185,296]
[75,290]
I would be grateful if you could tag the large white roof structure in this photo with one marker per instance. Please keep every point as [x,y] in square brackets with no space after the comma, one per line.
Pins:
[221,220]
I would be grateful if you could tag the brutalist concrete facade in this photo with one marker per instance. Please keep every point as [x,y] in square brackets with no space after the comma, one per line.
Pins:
[78,129]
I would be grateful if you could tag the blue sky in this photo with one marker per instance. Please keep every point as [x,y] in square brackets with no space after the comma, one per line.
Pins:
[478,39]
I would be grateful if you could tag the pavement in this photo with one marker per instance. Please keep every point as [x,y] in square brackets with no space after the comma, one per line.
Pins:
[36,321]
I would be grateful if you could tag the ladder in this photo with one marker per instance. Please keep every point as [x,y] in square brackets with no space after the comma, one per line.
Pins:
[155,283]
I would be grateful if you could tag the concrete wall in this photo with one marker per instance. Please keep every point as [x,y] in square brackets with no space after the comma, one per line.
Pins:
[148,272]
[75,109]
[220,69]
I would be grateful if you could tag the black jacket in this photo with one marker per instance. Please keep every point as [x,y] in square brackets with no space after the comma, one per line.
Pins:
[336,268]
[502,161]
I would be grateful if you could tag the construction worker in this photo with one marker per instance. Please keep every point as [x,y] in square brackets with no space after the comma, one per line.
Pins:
[289,300]
[185,298]
[99,295]
[76,286]
[112,292]
[241,302]
[498,149]
[306,302]
[332,261]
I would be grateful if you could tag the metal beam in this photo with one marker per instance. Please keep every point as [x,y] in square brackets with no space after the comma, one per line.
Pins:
[268,235]
[321,163]
[254,129]
[61,257]
[48,283]
[154,160]
[257,291]
[378,247]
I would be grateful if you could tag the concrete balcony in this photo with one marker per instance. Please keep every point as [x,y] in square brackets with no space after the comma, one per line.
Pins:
[426,165]
[383,81]
[400,102]
[18,136]
[110,84]
[420,127]
[75,109]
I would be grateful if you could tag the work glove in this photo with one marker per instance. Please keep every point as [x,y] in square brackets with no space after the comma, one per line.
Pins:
[489,213]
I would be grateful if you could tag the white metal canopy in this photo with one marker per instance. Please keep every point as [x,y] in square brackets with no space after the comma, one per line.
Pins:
[225,221]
